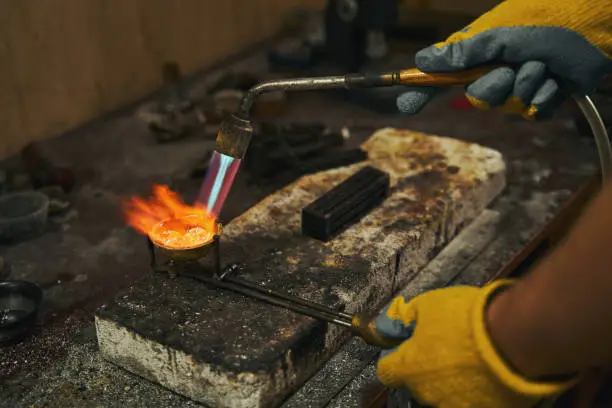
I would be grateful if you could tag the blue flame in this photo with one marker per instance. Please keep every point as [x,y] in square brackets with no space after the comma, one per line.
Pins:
[224,163]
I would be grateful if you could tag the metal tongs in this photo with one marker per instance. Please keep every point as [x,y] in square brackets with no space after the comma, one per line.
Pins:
[360,325]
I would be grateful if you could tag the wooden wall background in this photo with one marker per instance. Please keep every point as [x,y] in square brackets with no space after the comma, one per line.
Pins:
[65,62]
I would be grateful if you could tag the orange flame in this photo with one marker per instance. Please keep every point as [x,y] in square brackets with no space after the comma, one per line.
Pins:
[168,221]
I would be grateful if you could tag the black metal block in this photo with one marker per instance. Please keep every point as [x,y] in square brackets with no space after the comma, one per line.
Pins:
[345,204]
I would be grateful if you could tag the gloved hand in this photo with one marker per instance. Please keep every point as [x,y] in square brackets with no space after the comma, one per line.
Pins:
[448,359]
[540,40]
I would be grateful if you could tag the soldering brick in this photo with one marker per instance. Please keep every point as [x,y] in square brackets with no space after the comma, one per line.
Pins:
[224,350]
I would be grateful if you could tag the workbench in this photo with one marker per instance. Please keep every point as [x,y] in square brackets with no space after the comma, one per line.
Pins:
[94,255]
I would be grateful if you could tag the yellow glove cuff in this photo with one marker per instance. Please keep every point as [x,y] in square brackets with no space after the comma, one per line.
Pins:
[494,361]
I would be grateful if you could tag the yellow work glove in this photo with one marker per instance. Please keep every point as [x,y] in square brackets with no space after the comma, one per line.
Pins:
[542,41]
[448,359]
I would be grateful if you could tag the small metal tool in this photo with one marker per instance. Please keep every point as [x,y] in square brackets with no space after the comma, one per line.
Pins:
[360,325]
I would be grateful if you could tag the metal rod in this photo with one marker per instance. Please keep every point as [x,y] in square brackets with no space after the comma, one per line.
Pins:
[317,314]
[598,128]
[225,276]
[289,298]
[297,84]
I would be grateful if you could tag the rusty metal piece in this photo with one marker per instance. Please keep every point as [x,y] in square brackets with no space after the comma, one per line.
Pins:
[297,148]
[174,116]
[345,204]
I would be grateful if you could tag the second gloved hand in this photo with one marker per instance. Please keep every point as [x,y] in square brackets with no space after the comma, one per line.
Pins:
[541,41]
[448,359]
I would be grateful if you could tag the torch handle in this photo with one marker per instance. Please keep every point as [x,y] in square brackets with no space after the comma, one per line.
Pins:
[416,77]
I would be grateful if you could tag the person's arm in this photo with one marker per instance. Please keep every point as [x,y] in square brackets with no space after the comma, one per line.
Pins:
[510,343]
[558,319]
[465,346]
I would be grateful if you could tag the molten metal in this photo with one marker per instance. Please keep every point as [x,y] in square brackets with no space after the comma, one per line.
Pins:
[169,222]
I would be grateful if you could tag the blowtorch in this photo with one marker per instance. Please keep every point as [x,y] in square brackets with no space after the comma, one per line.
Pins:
[235,134]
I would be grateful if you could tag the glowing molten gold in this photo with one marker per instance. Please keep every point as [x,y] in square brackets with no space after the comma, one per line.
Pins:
[168,221]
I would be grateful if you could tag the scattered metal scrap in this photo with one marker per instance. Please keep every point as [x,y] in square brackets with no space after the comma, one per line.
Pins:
[297,149]
[175,115]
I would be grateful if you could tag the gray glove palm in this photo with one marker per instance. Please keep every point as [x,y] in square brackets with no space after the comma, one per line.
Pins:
[541,42]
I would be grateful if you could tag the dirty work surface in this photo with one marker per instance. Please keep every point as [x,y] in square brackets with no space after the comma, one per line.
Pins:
[228,351]
[89,256]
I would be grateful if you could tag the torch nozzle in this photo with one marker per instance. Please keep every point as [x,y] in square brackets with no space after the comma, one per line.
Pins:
[234,137]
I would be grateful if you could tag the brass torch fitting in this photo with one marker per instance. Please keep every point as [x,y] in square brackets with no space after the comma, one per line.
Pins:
[234,137]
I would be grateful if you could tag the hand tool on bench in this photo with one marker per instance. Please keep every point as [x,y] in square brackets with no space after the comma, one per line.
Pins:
[360,325]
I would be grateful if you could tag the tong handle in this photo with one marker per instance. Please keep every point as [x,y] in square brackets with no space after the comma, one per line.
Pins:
[416,77]
[364,327]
